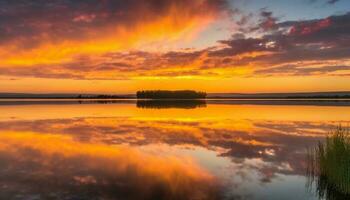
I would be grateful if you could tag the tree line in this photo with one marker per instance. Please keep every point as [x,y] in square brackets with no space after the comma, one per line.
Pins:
[167,94]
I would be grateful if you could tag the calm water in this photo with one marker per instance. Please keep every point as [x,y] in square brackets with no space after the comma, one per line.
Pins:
[129,150]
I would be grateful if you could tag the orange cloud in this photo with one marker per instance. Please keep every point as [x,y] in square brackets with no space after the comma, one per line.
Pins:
[113,41]
[99,28]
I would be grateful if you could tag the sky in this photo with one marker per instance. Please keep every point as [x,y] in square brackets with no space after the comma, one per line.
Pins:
[119,46]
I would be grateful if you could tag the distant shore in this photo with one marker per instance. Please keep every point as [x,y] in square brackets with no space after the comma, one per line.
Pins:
[289,96]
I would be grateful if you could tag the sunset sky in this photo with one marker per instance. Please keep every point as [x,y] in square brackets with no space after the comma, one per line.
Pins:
[121,46]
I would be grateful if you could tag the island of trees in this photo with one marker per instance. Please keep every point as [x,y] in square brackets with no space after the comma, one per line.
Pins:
[165,104]
[167,94]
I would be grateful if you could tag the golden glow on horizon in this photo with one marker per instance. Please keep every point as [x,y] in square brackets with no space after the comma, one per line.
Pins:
[213,85]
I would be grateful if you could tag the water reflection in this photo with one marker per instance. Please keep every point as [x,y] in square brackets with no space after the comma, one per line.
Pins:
[277,144]
[58,167]
[165,104]
[123,152]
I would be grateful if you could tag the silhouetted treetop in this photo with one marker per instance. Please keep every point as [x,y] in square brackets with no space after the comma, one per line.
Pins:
[168,103]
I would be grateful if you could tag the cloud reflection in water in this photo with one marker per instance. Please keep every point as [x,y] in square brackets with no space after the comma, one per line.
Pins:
[59,167]
[163,154]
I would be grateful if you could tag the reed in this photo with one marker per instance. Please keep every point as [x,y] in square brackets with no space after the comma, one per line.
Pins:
[329,165]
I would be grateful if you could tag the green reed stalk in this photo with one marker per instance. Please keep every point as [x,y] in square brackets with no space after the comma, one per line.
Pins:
[329,164]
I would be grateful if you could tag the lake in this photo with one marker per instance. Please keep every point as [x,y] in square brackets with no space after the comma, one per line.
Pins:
[218,149]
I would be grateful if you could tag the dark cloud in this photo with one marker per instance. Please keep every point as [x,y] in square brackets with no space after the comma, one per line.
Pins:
[295,41]
[329,2]
[332,1]
[295,70]
[240,46]
[315,35]
[268,21]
